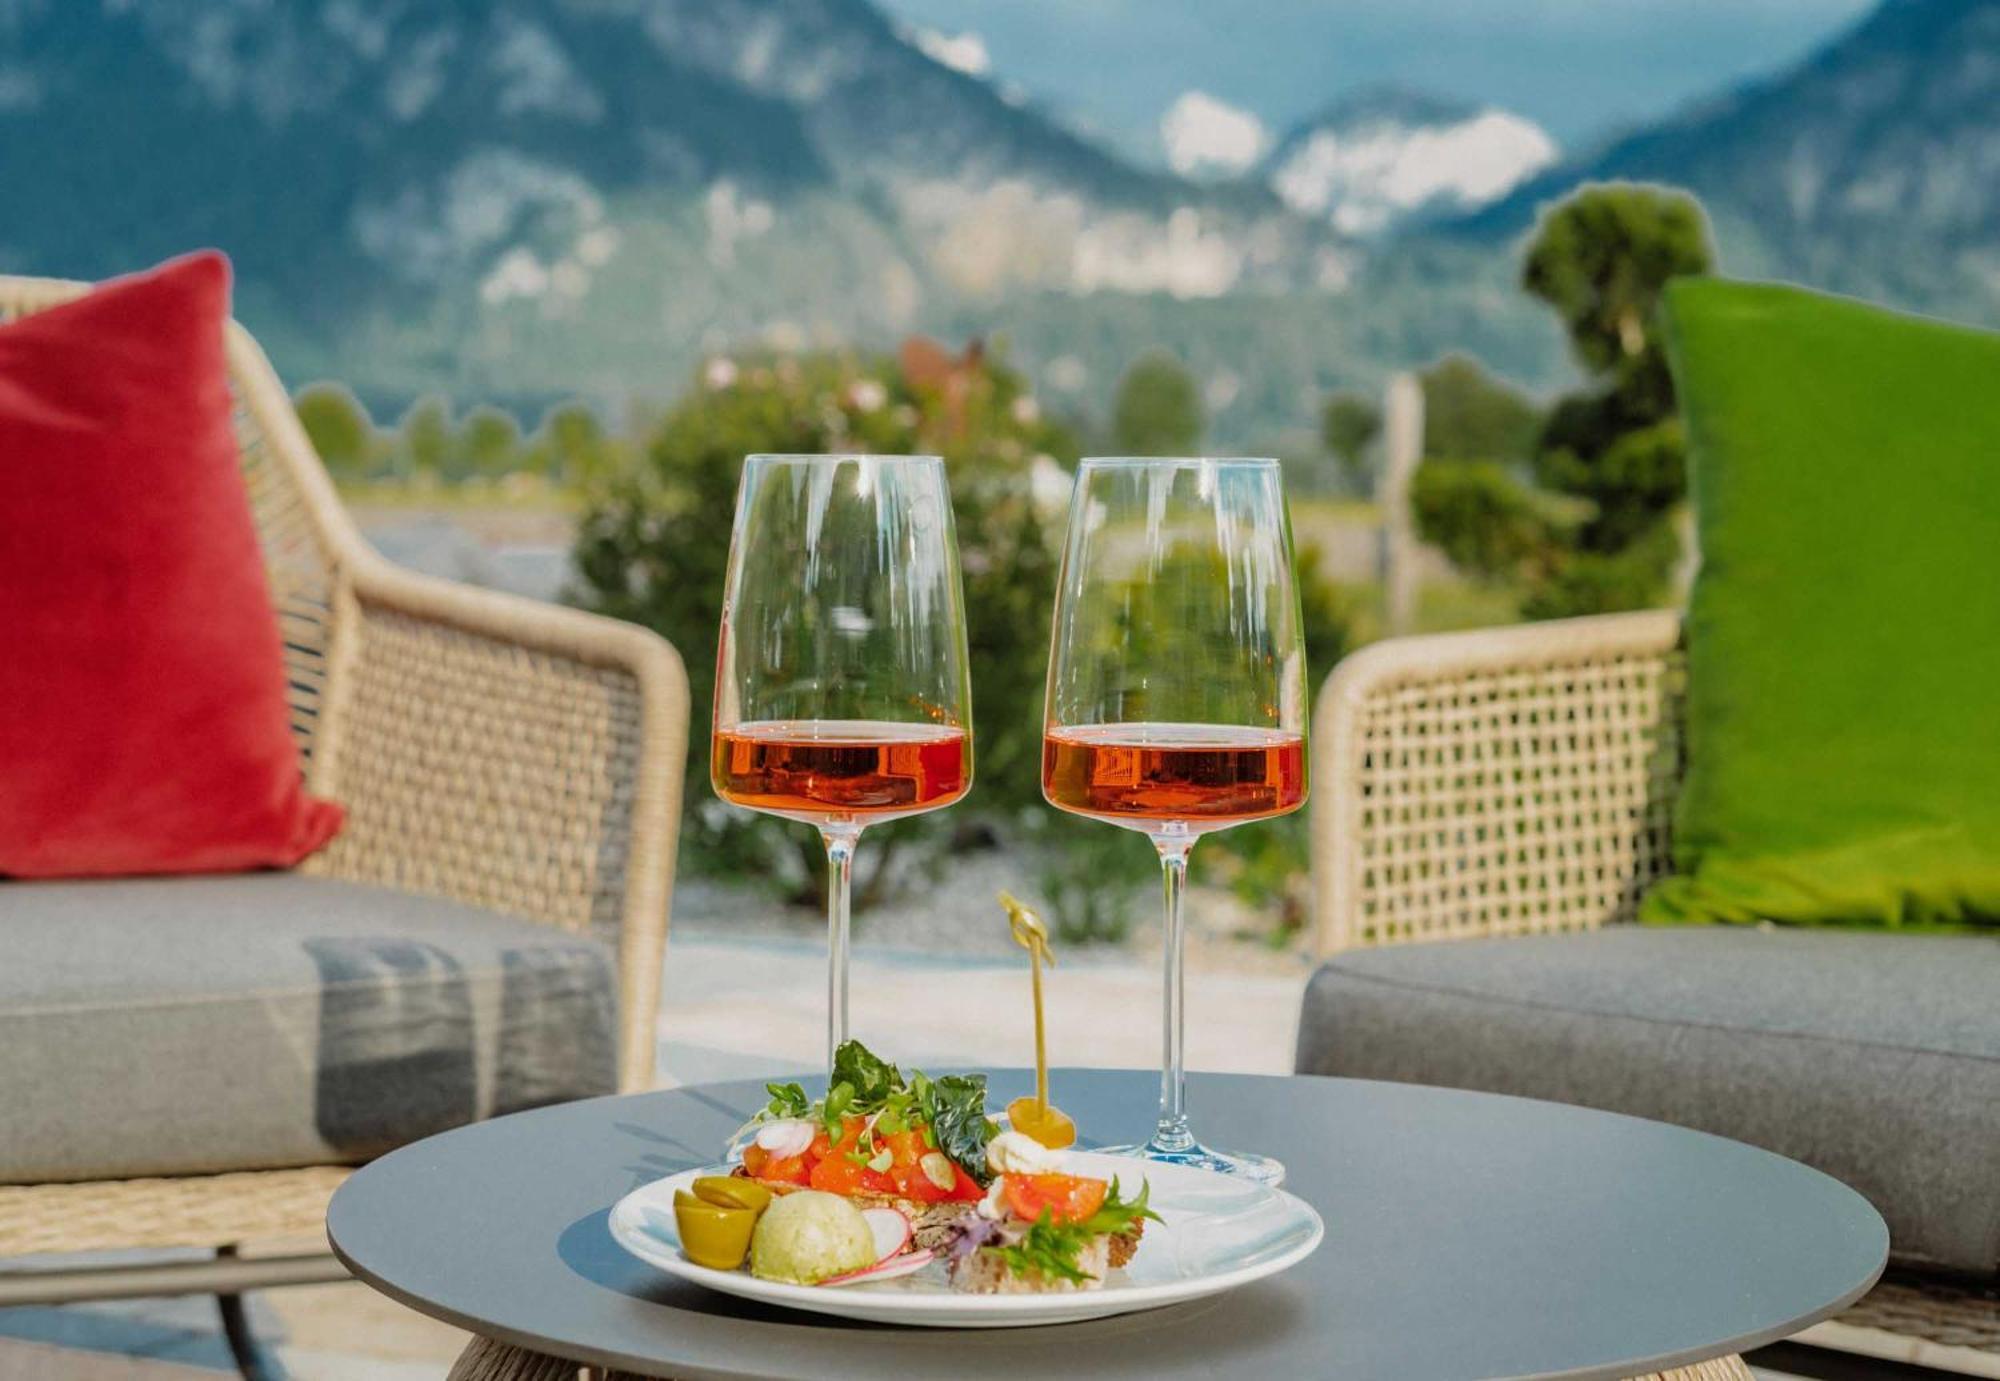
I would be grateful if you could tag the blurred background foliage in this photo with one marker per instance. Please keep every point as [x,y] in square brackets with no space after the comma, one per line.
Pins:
[1542,508]
[1575,506]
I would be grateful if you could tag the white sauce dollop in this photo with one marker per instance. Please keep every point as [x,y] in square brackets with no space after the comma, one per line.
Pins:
[992,1205]
[1017,1153]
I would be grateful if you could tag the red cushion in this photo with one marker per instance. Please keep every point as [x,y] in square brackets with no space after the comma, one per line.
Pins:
[143,724]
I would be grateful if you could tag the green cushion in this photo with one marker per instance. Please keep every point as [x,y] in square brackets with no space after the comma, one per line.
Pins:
[1843,718]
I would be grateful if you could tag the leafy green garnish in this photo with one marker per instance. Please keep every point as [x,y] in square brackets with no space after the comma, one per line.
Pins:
[787,1100]
[1115,1215]
[872,1078]
[1049,1247]
[955,1108]
[838,1100]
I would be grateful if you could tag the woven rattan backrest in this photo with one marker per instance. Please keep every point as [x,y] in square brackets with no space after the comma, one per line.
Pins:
[297,547]
[1496,783]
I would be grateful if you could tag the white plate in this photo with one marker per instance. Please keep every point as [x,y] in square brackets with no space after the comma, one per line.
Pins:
[1218,1233]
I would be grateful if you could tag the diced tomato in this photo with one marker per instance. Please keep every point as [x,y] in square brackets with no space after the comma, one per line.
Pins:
[967,1190]
[912,1183]
[906,1147]
[1067,1198]
[784,1170]
[824,1146]
[760,1164]
[839,1175]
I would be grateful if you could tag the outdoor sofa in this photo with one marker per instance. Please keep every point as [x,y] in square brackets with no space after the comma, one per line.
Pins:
[1512,792]
[197,1062]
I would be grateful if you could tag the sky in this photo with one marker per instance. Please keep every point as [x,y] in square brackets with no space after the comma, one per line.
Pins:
[1584,69]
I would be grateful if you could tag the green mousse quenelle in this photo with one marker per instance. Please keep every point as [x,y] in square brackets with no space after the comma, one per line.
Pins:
[806,1237]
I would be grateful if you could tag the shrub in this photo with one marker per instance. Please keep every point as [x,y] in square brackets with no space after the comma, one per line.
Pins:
[653,545]
[1597,533]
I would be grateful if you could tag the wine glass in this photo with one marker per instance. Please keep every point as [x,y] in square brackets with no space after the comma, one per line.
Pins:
[1176,698]
[841,689]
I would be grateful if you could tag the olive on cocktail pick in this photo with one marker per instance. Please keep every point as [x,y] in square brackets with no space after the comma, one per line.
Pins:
[1037,1116]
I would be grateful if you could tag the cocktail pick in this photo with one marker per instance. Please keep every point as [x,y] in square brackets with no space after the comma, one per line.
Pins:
[1036,1116]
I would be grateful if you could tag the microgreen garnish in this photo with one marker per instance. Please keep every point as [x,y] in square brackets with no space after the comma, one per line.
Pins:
[787,1100]
[838,1099]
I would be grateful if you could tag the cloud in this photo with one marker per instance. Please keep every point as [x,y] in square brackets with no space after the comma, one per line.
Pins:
[1366,176]
[1204,135]
[964,52]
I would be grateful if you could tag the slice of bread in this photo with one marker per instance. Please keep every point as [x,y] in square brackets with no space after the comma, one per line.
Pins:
[1125,1245]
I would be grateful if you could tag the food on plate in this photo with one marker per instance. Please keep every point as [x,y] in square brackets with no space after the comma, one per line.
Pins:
[1046,1124]
[716,1219]
[808,1237]
[1036,1115]
[732,1191]
[887,1173]
[913,1143]
[1040,1229]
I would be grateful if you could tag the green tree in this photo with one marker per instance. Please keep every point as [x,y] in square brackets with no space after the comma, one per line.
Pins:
[1348,426]
[1470,414]
[340,429]
[1158,410]
[424,437]
[573,446]
[489,443]
[1594,531]
[1601,260]
[654,538]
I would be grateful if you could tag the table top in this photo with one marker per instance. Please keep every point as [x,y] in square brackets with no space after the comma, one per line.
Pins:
[1468,1235]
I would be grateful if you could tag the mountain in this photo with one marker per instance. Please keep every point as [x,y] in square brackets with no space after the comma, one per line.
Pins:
[1386,158]
[519,199]
[1872,168]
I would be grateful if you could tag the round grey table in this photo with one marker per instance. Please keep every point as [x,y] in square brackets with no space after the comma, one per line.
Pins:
[1468,1235]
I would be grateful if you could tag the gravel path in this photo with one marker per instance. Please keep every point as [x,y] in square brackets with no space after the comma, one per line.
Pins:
[958,917]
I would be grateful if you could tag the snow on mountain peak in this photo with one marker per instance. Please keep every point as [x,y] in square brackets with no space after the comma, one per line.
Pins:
[964,52]
[1203,135]
[1365,171]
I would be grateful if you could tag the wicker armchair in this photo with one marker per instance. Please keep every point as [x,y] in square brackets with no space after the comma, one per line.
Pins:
[1519,781]
[507,754]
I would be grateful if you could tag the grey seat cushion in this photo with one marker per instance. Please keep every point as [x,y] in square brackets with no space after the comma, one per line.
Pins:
[1873,1057]
[191,1025]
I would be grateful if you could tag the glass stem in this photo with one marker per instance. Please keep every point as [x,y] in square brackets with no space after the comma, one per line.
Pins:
[840,842]
[1172,1133]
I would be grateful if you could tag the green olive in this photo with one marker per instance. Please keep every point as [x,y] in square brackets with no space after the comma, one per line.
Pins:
[731,1191]
[711,1235]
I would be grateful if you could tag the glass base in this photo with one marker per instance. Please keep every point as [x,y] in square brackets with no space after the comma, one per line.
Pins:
[1242,1164]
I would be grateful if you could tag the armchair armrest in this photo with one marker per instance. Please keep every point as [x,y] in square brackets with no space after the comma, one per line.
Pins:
[1498,782]
[512,755]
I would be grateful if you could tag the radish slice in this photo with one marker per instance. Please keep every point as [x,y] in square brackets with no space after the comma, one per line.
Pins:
[788,1136]
[891,1229]
[885,1270]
